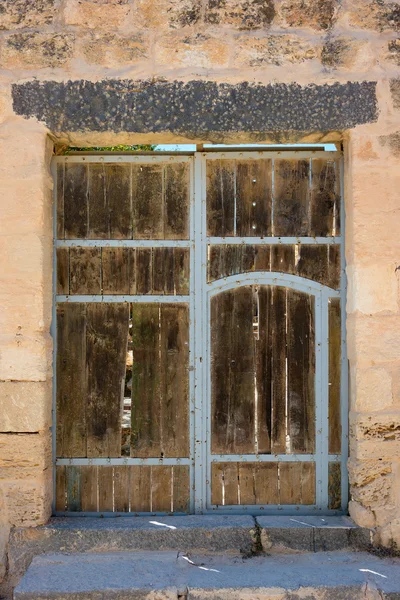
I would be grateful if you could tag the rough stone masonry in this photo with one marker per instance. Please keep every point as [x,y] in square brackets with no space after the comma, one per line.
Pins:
[102,72]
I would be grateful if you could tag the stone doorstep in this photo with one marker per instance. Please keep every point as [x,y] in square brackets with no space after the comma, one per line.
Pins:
[240,535]
[170,575]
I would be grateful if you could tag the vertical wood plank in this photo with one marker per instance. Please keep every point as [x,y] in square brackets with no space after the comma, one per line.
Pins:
[73,476]
[146,395]
[325,198]
[163,271]
[144,265]
[75,201]
[177,189]
[247,483]
[105,485]
[231,479]
[107,337]
[181,489]
[174,363]
[334,267]
[263,357]
[262,258]
[71,380]
[277,343]
[121,489]
[147,199]
[60,200]
[283,259]
[254,198]
[132,271]
[335,353]
[220,192]
[301,372]
[140,489]
[181,271]
[118,193]
[89,488]
[116,270]
[291,195]
[85,271]
[61,491]
[290,482]
[161,489]
[308,483]
[334,486]
[266,483]
[217,483]
[99,213]
[62,270]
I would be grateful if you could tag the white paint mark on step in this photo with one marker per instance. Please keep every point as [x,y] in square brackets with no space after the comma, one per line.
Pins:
[373,572]
[162,524]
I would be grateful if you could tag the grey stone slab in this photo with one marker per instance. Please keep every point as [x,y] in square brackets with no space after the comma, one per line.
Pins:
[311,533]
[195,107]
[164,575]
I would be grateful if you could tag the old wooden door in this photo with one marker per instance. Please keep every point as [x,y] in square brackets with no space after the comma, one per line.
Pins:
[200,357]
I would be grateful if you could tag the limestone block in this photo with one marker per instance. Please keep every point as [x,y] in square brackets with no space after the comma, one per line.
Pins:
[25,358]
[23,314]
[165,14]
[373,389]
[240,14]
[379,427]
[26,206]
[345,52]
[197,50]
[373,288]
[377,195]
[23,152]
[372,483]
[373,340]
[361,515]
[390,534]
[395,91]
[102,15]
[36,50]
[272,50]
[111,51]
[317,14]
[25,406]
[24,455]
[28,502]
[392,141]
[379,15]
[4,535]
[15,14]
[381,450]
[363,472]
[393,52]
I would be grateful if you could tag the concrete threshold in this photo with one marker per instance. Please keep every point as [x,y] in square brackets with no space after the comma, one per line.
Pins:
[172,576]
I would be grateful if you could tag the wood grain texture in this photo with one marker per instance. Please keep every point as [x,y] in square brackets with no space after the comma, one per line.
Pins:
[89,485]
[278,380]
[176,199]
[116,270]
[105,488]
[98,208]
[62,284]
[181,489]
[334,486]
[291,194]
[220,192]
[147,199]
[61,491]
[119,198]
[140,489]
[161,489]
[253,197]
[263,358]
[335,355]
[325,198]
[121,488]
[85,271]
[76,214]
[60,201]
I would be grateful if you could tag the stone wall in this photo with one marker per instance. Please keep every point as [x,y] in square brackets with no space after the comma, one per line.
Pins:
[257,70]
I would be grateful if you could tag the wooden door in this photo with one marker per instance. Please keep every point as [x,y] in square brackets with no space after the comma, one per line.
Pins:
[199,339]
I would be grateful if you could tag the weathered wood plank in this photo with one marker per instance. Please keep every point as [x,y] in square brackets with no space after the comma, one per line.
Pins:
[308,483]
[325,198]
[140,489]
[147,199]
[263,357]
[75,201]
[283,259]
[291,194]
[262,258]
[301,372]
[71,380]
[99,213]
[231,480]
[174,363]
[181,271]
[61,491]
[89,488]
[334,267]
[253,197]
[334,486]
[290,482]
[105,488]
[181,489]
[335,354]
[217,483]
[220,197]
[121,489]
[177,189]
[278,346]
[73,485]
[247,483]
[266,483]
[163,271]
[107,336]
[116,270]
[60,201]
[146,393]
[85,271]
[62,270]
[132,271]
[118,193]
[144,268]
[161,489]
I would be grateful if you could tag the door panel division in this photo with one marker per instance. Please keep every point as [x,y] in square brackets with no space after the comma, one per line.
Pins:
[199,339]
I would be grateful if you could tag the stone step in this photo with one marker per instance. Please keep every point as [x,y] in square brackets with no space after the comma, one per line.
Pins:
[241,535]
[173,576]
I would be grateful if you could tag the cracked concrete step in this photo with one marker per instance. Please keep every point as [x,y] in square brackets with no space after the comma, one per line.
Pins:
[199,533]
[170,575]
